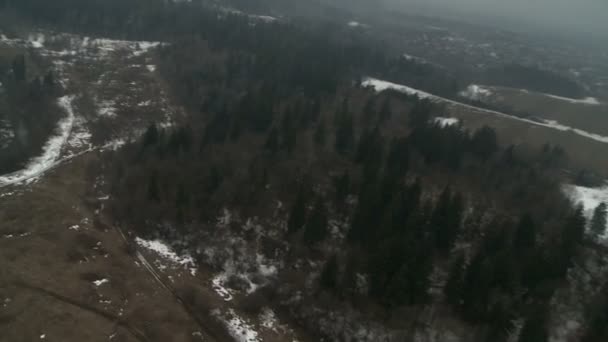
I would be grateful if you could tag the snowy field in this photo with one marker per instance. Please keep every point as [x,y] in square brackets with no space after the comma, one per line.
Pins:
[380,85]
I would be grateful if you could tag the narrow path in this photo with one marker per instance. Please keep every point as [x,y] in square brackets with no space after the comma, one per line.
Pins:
[212,332]
[52,150]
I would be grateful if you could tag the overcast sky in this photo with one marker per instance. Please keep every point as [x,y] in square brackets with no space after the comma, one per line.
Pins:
[576,16]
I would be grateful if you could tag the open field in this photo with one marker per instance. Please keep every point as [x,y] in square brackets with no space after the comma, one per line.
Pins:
[589,117]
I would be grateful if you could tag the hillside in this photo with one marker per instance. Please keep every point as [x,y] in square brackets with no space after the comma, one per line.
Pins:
[213,174]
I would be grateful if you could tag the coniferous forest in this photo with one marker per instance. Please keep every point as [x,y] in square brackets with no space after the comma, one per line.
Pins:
[429,213]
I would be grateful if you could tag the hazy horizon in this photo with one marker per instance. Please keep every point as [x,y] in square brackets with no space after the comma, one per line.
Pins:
[584,17]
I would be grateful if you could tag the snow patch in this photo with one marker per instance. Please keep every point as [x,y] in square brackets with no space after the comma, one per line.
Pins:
[107,109]
[51,150]
[238,328]
[379,86]
[218,286]
[589,198]
[100,282]
[37,40]
[268,319]
[151,67]
[354,24]
[162,249]
[590,101]
[476,92]
[444,122]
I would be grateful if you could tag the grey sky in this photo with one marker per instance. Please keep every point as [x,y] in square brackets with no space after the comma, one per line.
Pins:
[576,16]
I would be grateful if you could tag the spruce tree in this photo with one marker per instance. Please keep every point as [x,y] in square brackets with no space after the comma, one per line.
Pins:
[598,221]
[320,134]
[329,275]
[316,227]
[342,188]
[525,234]
[345,133]
[535,327]
[297,216]
[153,192]
[151,136]
[455,283]
[272,141]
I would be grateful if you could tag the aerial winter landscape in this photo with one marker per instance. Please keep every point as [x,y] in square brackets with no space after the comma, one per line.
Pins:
[281,170]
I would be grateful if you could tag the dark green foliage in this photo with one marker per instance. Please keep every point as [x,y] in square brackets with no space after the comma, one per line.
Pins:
[573,233]
[316,227]
[272,141]
[342,189]
[19,68]
[598,221]
[345,132]
[289,132]
[525,234]
[153,191]
[217,130]
[455,284]
[320,135]
[385,112]
[597,316]
[370,153]
[369,113]
[329,276]
[297,215]
[535,327]
[484,142]
[151,136]
[447,219]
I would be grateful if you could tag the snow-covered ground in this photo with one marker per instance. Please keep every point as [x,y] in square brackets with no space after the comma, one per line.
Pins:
[592,101]
[51,151]
[73,135]
[443,122]
[380,85]
[590,198]
[240,329]
[476,92]
[168,254]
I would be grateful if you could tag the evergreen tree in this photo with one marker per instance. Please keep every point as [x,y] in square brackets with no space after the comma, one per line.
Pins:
[345,133]
[320,134]
[446,219]
[289,132]
[573,233]
[272,141]
[535,327]
[316,227]
[385,112]
[151,136]
[598,221]
[454,285]
[525,234]
[297,216]
[342,188]
[153,192]
[329,275]
[19,68]
[369,112]
[484,142]
[597,329]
